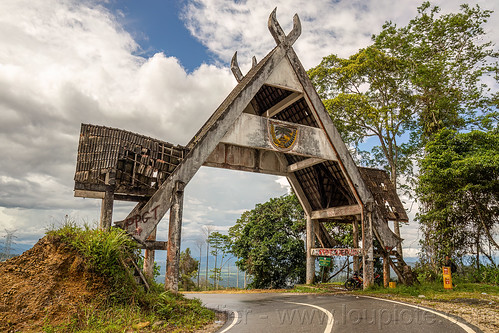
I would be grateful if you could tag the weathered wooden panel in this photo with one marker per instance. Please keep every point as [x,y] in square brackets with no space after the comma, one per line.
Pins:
[284,77]
[335,212]
[254,131]
[232,157]
[138,163]
[385,194]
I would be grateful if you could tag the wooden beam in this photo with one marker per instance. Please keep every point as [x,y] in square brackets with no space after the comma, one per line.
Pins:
[355,234]
[154,245]
[304,164]
[254,132]
[232,157]
[106,214]
[333,212]
[367,246]
[282,105]
[149,256]
[89,194]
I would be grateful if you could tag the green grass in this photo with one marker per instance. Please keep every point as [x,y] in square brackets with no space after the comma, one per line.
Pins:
[430,290]
[127,304]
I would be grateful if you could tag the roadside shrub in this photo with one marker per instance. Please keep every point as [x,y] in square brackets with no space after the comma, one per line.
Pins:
[425,273]
[103,252]
[485,274]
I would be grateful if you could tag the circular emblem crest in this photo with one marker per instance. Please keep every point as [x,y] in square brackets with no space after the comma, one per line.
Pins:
[282,136]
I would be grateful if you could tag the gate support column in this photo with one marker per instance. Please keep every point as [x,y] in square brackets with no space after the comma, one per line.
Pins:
[174,233]
[386,270]
[355,225]
[396,230]
[310,244]
[106,211]
[367,246]
[149,257]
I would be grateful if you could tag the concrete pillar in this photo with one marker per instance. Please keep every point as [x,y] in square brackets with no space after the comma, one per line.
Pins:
[174,233]
[356,259]
[310,244]
[149,257]
[386,270]
[367,248]
[106,212]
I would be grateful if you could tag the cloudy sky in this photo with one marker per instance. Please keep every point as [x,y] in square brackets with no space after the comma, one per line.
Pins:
[159,68]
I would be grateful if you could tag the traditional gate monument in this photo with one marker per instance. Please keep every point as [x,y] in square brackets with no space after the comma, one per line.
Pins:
[272,122]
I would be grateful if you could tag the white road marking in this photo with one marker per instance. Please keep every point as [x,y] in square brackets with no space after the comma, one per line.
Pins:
[330,318]
[465,327]
[234,321]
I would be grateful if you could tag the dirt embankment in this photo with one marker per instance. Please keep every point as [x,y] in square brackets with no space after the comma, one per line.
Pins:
[47,284]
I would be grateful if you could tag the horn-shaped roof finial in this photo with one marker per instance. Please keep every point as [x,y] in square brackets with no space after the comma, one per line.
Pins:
[234,67]
[279,36]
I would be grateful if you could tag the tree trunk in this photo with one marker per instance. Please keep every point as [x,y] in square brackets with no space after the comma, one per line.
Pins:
[480,217]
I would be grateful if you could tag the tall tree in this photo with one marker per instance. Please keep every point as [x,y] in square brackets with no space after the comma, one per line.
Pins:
[220,245]
[268,241]
[188,269]
[459,188]
[447,58]
[412,82]
[207,229]
[367,95]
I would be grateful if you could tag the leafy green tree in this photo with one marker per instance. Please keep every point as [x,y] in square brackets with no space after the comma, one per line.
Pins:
[188,269]
[220,245]
[268,241]
[447,57]
[367,95]
[459,189]
[412,82]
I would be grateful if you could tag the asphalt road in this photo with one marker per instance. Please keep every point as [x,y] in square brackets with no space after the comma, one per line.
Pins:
[288,313]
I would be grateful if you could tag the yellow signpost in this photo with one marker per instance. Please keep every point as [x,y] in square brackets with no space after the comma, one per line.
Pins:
[447,276]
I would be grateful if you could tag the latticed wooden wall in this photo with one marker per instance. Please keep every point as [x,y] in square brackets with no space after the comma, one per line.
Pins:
[385,194]
[132,163]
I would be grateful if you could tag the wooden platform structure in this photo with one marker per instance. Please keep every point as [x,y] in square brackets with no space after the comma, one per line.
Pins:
[272,122]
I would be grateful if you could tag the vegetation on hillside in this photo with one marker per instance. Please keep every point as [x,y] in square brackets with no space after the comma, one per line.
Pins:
[127,303]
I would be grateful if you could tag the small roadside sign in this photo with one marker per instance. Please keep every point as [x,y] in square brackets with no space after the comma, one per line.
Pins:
[324,261]
[447,276]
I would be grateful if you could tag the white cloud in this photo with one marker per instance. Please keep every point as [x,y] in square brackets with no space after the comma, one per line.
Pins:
[340,27]
[67,62]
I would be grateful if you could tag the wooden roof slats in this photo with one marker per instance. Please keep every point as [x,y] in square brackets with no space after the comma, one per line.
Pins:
[268,96]
[299,113]
[139,162]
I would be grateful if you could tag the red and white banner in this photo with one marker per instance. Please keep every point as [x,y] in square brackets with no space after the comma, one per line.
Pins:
[336,252]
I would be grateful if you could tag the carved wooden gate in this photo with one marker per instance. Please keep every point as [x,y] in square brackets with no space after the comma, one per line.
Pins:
[272,122]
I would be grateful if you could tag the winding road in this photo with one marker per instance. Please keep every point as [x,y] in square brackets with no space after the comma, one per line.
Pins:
[314,313]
